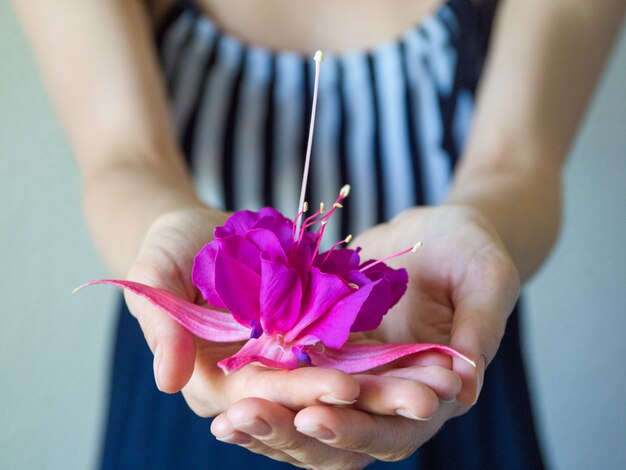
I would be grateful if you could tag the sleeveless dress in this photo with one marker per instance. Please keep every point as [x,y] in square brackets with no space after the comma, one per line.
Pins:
[391,122]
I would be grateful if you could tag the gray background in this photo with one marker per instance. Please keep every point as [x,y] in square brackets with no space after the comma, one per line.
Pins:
[54,347]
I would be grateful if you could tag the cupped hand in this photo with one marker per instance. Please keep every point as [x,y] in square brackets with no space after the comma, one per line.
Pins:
[462,288]
[184,362]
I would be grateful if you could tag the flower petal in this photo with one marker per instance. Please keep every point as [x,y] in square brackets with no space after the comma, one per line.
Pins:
[338,261]
[267,242]
[244,251]
[242,221]
[353,358]
[280,298]
[203,274]
[322,292]
[203,322]
[280,226]
[238,286]
[264,350]
[333,328]
[376,305]
[398,279]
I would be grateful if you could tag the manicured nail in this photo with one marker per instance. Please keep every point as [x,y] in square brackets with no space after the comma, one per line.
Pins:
[330,400]
[318,432]
[409,414]
[256,427]
[235,438]
[155,365]
[480,371]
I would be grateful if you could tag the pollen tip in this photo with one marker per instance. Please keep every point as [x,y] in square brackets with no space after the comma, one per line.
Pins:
[352,285]
[336,205]
[416,247]
[319,56]
[322,207]
[348,239]
[305,206]
[344,191]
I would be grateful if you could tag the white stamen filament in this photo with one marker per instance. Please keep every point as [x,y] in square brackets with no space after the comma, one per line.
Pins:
[413,249]
[318,59]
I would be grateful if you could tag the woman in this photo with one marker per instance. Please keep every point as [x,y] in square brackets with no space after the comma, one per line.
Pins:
[396,126]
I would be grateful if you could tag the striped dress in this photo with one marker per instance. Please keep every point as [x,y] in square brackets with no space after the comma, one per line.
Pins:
[391,122]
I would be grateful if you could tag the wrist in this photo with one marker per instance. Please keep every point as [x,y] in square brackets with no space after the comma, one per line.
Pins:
[122,204]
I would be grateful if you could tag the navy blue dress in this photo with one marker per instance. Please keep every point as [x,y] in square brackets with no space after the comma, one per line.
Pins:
[392,122]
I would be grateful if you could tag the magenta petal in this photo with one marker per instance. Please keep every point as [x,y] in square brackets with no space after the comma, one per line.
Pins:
[338,261]
[398,279]
[238,286]
[237,224]
[203,322]
[203,274]
[333,328]
[281,294]
[374,308]
[264,350]
[280,226]
[267,242]
[323,291]
[354,358]
[237,246]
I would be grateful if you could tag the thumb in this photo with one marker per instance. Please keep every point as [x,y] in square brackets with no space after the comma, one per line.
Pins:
[173,347]
[478,326]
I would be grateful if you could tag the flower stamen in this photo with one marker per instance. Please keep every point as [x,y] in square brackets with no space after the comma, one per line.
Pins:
[318,60]
[413,249]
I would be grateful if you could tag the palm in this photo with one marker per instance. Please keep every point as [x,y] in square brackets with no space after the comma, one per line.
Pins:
[461,256]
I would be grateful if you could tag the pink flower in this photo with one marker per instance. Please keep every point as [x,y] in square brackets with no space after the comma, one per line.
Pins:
[293,304]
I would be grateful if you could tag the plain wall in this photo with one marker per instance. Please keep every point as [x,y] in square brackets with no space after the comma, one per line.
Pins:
[55,347]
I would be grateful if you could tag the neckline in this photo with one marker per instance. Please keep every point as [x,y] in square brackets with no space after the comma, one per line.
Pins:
[185,6]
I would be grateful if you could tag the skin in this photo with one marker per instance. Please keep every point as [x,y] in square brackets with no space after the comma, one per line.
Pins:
[496,228]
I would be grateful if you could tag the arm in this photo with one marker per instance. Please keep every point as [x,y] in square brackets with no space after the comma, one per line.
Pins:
[544,63]
[101,72]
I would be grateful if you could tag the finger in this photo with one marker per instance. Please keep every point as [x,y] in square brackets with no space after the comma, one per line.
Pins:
[482,308]
[296,388]
[224,431]
[396,396]
[387,438]
[173,346]
[445,383]
[209,391]
[273,426]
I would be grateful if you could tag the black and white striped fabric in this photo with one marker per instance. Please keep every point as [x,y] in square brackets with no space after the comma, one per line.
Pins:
[390,121]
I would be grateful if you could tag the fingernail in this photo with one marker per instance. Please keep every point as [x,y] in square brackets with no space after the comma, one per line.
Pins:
[452,400]
[318,432]
[409,414]
[480,371]
[257,427]
[331,400]
[155,365]
[235,438]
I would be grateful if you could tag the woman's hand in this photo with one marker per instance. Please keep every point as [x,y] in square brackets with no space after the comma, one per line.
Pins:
[462,288]
[183,362]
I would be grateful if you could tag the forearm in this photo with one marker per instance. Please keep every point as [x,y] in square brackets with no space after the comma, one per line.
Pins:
[523,205]
[545,60]
[100,68]
[122,201]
